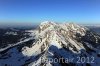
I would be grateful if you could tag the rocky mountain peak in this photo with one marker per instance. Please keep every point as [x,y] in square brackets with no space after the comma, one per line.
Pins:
[52,40]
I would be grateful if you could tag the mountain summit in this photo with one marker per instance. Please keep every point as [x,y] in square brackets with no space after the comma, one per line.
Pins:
[54,44]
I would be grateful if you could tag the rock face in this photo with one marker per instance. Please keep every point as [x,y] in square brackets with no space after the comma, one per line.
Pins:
[55,44]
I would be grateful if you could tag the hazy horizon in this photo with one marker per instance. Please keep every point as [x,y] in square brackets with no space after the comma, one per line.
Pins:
[31,24]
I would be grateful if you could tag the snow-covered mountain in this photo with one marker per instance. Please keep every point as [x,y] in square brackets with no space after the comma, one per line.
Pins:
[53,44]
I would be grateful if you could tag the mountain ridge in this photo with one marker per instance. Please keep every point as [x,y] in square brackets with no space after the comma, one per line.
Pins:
[54,40]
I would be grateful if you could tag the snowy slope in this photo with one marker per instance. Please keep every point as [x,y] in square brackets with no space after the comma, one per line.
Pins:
[55,41]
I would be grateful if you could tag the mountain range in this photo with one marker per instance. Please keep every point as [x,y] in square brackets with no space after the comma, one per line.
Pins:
[53,44]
